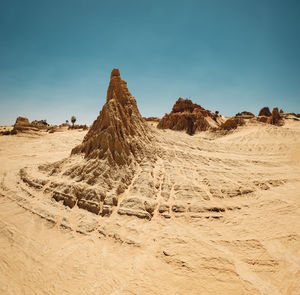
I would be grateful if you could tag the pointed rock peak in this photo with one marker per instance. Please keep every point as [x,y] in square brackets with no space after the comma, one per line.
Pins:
[117,88]
[115,72]
[119,134]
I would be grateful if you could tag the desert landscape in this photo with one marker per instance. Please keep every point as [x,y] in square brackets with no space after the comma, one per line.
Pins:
[192,203]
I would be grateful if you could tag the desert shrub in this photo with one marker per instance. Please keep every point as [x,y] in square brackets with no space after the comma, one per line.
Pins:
[73,120]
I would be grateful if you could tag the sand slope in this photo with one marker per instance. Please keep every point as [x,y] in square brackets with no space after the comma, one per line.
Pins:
[227,219]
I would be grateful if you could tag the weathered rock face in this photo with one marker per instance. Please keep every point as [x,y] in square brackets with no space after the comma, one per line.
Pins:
[151,119]
[119,133]
[22,125]
[42,124]
[232,123]
[186,115]
[103,166]
[262,119]
[245,115]
[265,111]
[275,118]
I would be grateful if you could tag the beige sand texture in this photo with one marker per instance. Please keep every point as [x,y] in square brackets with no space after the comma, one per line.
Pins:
[202,214]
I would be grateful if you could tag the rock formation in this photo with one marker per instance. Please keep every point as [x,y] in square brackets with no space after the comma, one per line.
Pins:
[245,115]
[232,123]
[151,119]
[275,119]
[41,125]
[186,115]
[22,125]
[265,111]
[101,168]
[119,133]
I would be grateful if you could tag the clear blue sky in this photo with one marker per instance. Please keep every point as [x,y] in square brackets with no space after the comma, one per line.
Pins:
[228,55]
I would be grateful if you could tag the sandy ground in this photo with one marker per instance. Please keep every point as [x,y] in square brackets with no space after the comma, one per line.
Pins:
[239,235]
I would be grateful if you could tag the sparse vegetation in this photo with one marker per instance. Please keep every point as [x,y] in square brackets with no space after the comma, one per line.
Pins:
[73,120]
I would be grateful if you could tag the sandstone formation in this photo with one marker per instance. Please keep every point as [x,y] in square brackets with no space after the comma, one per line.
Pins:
[102,167]
[41,125]
[275,119]
[232,123]
[262,119]
[151,119]
[224,215]
[245,115]
[23,125]
[186,115]
[265,111]
[119,134]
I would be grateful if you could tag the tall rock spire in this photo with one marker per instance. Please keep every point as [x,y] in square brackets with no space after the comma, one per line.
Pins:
[119,133]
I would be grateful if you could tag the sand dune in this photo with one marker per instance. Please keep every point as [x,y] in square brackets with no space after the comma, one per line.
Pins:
[227,219]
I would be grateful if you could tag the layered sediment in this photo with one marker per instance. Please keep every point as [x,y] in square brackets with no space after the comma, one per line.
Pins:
[186,115]
[101,168]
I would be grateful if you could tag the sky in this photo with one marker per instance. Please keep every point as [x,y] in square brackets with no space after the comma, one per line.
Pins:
[227,55]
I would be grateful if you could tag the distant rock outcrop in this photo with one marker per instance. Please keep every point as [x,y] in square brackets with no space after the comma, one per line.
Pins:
[245,115]
[151,119]
[186,115]
[265,111]
[275,119]
[42,124]
[262,119]
[232,123]
[22,125]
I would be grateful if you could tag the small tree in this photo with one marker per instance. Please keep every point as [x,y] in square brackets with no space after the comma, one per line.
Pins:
[73,120]
[67,121]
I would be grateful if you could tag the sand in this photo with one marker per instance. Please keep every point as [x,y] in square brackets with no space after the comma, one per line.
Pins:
[233,227]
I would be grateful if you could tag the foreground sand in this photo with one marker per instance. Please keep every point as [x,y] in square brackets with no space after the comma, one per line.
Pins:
[236,243]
